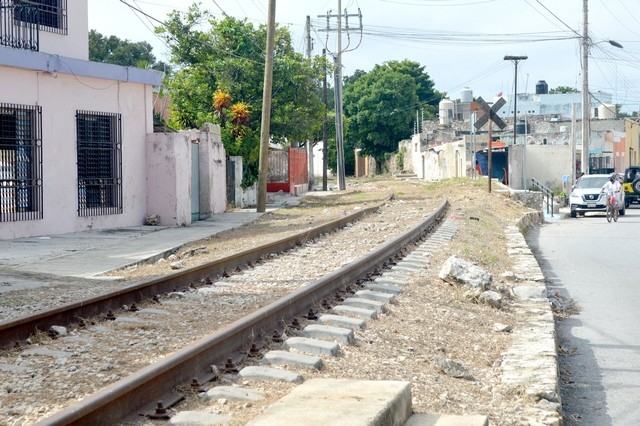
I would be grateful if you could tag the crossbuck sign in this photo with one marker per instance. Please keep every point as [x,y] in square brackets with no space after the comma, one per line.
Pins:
[489,113]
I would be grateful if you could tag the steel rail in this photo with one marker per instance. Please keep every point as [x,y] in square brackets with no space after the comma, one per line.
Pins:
[140,392]
[20,329]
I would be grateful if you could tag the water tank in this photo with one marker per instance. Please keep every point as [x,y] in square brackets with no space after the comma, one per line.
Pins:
[466,95]
[446,108]
[542,88]
[606,111]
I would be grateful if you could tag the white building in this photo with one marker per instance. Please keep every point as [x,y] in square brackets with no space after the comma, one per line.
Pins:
[72,132]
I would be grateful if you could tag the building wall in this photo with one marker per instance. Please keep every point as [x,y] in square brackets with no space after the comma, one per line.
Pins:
[545,163]
[60,96]
[74,44]
[632,130]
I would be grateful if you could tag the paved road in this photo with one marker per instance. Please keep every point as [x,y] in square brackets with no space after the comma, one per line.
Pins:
[596,264]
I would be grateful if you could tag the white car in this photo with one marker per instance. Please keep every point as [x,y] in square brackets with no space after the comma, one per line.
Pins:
[587,196]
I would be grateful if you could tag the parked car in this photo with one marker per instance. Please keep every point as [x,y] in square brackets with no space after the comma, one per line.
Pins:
[587,196]
[631,185]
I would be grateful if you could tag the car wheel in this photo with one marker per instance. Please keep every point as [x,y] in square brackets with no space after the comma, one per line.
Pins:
[573,213]
[621,212]
[627,203]
[636,185]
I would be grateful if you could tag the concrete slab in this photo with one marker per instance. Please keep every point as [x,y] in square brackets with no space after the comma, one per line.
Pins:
[319,331]
[312,346]
[343,321]
[446,420]
[232,393]
[198,418]
[353,311]
[293,358]
[376,295]
[360,302]
[384,288]
[334,402]
[267,374]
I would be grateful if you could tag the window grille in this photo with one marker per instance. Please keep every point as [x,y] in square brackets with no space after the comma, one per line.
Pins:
[99,163]
[50,15]
[20,162]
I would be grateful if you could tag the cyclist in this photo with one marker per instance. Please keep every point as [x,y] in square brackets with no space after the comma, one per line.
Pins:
[612,189]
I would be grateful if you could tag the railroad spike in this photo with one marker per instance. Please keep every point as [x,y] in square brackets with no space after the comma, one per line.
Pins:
[254,351]
[276,337]
[295,324]
[160,413]
[230,367]
[196,386]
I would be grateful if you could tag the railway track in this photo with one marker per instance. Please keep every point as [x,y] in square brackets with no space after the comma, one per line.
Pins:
[140,392]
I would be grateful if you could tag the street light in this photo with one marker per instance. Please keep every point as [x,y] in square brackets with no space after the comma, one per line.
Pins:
[586,100]
[515,60]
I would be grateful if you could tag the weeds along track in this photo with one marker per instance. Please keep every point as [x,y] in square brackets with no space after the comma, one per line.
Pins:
[129,349]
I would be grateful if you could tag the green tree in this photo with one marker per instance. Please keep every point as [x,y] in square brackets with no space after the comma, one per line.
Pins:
[227,56]
[113,50]
[379,108]
[427,95]
[563,89]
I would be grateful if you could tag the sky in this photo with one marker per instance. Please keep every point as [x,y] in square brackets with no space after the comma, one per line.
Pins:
[461,43]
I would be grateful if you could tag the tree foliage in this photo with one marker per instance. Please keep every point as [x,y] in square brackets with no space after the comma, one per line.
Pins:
[380,106]
[224,59]
[113,50]
[563,89]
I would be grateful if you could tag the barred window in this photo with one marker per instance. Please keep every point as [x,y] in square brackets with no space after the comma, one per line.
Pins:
[50,15]
[20,162]
[99,163]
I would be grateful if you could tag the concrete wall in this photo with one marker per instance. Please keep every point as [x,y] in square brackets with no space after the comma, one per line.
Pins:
[213,172]
[169,177]
[60,96]
[170,169]
[545,163]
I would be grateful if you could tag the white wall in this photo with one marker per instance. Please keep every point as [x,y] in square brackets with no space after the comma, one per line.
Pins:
[60,96]
[74,44]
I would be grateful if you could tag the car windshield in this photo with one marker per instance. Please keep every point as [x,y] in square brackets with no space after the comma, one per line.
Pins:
[591,182]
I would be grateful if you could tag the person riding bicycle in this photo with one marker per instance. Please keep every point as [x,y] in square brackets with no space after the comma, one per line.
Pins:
[612,189]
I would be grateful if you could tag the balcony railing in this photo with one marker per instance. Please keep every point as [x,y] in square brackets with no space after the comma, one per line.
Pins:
[19,25]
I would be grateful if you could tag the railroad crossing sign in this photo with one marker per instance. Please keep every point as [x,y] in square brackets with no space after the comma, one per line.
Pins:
[489,113]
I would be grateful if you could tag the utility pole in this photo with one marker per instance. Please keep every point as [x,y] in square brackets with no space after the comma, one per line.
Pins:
[515,60]
[263,165]
[586,101]
[338,103]
[325,137]
[309,142]
[337,55]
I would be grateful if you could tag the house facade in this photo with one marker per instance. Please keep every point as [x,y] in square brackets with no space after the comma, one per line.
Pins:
[72,132]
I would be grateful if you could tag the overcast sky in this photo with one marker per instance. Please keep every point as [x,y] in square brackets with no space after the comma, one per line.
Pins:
[461,43]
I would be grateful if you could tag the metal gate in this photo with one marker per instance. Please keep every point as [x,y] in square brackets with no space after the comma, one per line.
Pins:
[231,182]
[195,182]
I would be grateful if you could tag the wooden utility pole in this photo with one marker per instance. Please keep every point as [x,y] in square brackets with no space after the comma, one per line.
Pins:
[310,171]
[489,150]
[263,165]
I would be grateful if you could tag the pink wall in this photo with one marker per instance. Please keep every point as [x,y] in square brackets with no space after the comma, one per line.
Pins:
[60,96]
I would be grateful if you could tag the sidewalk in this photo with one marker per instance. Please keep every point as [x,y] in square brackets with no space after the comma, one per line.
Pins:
[26,262]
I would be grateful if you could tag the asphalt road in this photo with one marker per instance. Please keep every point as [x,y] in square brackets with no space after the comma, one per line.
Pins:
[596,264]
